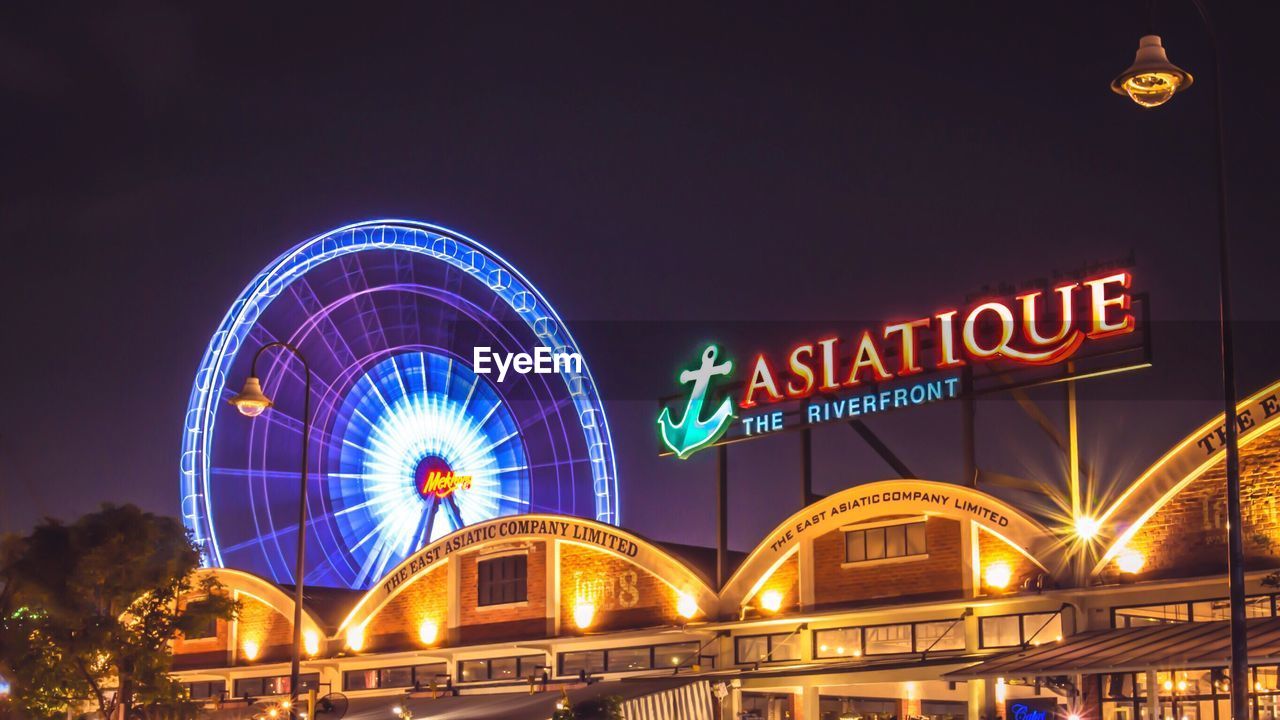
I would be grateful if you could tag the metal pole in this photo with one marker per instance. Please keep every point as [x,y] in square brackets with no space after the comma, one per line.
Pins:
[1235,523]
[722,514]
[1073,446]
[806,467]
[295,662]
[968,413]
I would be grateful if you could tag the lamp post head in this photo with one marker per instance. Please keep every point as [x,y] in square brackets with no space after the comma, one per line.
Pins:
[250,401]
[1151,80]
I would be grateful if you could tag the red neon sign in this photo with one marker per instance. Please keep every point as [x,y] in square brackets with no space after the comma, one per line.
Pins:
[444,483]
[1013,331]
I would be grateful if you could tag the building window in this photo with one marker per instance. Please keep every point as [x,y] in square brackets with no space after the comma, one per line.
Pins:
[676,655]
[588,661]
[1191,611]
[888,639]
[274,685]
[837,643]
[899,639]
[766,648]
[206,690]
[207,627]
[1016,630]
[888,541]
[503,668]
[502,580]
[401,676]
[630,659]
[939,636]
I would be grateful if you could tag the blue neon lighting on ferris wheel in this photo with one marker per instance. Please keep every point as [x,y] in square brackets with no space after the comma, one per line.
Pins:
[403,410]
[432,242]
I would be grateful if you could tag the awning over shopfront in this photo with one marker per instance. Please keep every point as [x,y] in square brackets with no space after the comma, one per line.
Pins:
[656,699]
[1156,647]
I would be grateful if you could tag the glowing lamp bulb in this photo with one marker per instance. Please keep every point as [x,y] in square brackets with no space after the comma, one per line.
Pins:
[771,600]
[1151,80]
[1073,716]
[311,642]
[584,613]
[1130,562]
[428,631]
[273,713]
[1168,684]
[686,606]
[285,704]
[250,401]
[857,652]
[355,638]
[1182,685]
[397,711]
[998,575]
[1087,528]
[251,649]
[1002,690]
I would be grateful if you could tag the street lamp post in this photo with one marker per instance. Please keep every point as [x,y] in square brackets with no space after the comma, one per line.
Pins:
[1152,81]
[251,402]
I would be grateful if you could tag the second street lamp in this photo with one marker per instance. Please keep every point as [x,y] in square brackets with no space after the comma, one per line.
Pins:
[252,402]
[1150,82]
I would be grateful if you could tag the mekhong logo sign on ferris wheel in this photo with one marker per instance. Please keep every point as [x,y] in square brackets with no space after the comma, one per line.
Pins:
[832,378]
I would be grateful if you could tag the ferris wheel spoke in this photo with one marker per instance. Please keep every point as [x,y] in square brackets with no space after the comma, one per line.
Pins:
[318,317]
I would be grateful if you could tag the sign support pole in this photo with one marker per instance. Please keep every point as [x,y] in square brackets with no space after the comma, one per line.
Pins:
[968,413]
[1073,446]
[722,515]
[806,467]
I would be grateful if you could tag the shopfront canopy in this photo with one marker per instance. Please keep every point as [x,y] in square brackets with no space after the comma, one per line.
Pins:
[653,699]
[1155,647]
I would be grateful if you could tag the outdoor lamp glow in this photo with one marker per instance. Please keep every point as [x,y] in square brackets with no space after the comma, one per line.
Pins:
[584,613]
[251,648]
[1151,80]
[250,401]
[355,638]
[1087,528]
[1130,561]
[428,631]
[998,575]
[771,600]
[311,642]
[686,606]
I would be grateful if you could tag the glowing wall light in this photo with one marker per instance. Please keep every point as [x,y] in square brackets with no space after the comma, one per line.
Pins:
[998,575]
[584,613]
[355,638]
[1130,561]
[1002,690]
[311,642]
[1087,527]
[250,649]
[686,606]
[771,600]
[428,631]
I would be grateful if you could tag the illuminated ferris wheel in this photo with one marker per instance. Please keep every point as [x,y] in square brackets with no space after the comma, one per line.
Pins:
[408,441]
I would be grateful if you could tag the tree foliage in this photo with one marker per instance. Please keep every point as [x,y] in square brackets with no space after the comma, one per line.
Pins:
[88,610]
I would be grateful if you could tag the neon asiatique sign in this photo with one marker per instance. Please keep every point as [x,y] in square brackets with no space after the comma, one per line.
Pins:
[840,378]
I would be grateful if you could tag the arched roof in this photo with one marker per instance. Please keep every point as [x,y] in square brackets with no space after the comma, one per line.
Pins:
[267,592]
[1181,465]
[580,531]
[880,499]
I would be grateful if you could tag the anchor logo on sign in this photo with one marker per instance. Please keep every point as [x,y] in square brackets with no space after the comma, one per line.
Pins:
[693,433]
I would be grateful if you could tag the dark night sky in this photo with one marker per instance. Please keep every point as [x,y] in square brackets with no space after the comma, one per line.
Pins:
[692,164]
